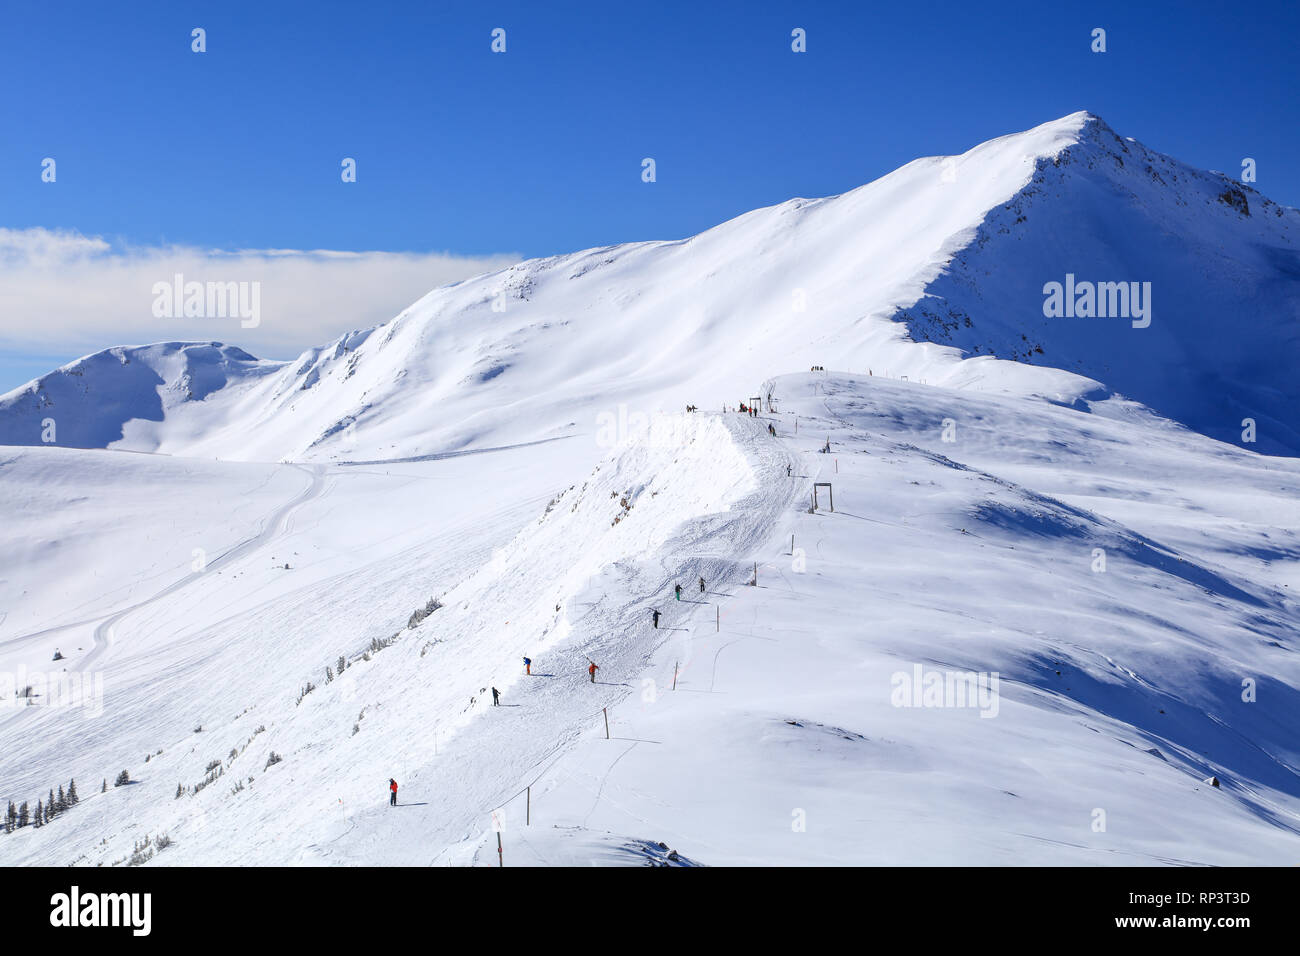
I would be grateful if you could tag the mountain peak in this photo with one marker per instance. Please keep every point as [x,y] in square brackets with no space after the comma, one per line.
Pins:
[941,261]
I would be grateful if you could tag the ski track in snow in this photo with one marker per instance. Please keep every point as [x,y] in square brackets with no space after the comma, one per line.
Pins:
[275,526]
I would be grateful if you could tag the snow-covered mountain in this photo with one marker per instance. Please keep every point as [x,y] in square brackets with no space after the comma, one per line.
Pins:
[1045,621]
[911,275]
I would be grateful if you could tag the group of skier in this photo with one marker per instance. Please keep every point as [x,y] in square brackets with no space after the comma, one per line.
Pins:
[592,666]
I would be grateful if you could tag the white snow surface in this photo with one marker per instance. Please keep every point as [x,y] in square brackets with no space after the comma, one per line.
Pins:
[1126,584]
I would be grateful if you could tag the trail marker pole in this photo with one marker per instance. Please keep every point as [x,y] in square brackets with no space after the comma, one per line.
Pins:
[500,858]
[674,675]
[837,470]
[528,807]
[792,546]
[605,711]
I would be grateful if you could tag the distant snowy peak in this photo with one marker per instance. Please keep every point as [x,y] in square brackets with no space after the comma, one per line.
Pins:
[85,403]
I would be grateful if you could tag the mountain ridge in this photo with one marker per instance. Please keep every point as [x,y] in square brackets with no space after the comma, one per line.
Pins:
[953,266]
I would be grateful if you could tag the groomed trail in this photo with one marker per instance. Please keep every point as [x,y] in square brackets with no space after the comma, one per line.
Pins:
[705,493]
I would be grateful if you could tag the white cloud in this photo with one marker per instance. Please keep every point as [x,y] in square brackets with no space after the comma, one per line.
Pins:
[62,292]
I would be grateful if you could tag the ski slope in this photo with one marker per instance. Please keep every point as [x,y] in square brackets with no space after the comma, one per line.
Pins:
[969,555]
[210,532]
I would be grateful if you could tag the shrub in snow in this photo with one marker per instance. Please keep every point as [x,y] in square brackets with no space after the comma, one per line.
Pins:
[419,614]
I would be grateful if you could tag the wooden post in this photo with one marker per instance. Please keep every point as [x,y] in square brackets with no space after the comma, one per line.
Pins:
[674,675]
[500,858]
[792,545]
[837,470]
[528,807]
[605,711]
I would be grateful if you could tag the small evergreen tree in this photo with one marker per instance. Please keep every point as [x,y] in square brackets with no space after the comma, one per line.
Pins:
[24,815]
[73,799]
[104,788]
[51,808]
[180,790]
[11,815]
[122,779]
[40,814]
[63,801]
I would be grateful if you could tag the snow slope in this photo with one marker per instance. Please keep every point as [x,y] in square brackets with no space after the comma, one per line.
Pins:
[1119,691]
[530,468]
[947,250]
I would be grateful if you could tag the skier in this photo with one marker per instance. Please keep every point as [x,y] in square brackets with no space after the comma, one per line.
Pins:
[528,667]
[701,584]
[787,471]
[496,697]
[592,671]
[392,792]
[678,591]
[655,616]
[770,430]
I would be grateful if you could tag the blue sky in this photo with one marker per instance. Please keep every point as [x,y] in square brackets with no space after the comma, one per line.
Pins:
[538,150]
